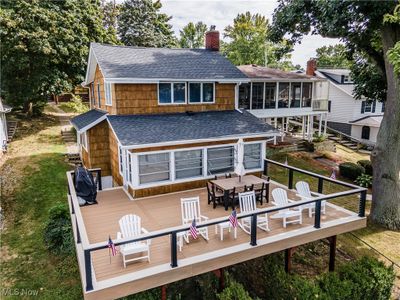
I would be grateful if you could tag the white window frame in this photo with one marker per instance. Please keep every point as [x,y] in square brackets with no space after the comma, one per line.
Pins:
[172,93]
[201,93]
[263,153]
[108,93]
[121,160]
[171,167]
[370,105]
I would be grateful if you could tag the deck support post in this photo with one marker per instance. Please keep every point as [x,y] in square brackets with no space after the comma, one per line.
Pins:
[332,252]
[320,185]
[326,123]
[253,232]
[288,259]
[320,125]
[221,279]
[174,254]
[164,292]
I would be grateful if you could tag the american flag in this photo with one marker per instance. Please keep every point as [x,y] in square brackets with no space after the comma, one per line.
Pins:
[111,247]
[233,218]
[193,229]
[333,175]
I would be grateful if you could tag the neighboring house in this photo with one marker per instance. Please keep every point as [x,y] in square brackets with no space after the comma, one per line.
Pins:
[164,120]
[3,126]
[359,119]
[281,97]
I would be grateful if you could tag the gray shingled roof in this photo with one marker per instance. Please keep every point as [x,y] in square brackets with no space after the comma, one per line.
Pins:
[152,63]
[255,71]
[149,129]
[87,118]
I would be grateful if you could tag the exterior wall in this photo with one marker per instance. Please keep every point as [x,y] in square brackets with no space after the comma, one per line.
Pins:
[356,132]
[94,103]
[114,159]
[143,99]
[99,148]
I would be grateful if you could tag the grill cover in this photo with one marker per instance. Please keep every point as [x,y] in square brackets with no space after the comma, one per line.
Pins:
[85,186]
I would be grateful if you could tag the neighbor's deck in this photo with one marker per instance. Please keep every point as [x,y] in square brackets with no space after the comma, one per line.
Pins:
[163,211]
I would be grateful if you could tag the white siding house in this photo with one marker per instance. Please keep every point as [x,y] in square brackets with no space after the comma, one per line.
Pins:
[3,126]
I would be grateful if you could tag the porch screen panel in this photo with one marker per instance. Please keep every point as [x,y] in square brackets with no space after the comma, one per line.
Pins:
[270,90]
[295,95]
[220,160]
[252,156]
[307,94]
[283,96]
[244,96]
[257,95]
[154,167]
[188,164]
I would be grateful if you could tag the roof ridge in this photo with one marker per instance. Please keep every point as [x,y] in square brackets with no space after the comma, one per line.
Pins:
[141,47]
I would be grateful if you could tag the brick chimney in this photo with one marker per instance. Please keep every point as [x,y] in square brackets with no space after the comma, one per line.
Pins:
[311,66]
[212,39]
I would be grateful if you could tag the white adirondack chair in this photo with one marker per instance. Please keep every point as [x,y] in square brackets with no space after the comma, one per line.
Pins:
[280,198]
[304,192]
[190,208]
[247,203]
[130,226]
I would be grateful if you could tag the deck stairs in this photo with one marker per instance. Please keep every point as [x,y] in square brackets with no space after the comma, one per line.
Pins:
[11,129]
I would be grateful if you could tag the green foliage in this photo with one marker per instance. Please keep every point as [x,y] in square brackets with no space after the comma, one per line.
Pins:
[192,35]
[58,232]
[333,56]
[364,180]
[394,53]
[44,46]
[319,138]
[351,170]
[310,147]
[198,287]
[249,43]
[367,165]
[75,105]
[110,12]
[140,23]
[234,291]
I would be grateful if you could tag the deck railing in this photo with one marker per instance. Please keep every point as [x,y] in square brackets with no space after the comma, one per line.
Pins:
[320,105]
[87,248]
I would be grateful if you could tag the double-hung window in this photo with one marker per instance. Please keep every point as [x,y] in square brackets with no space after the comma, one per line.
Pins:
[188,164]
[220,160]
[172,93]
[154,167]
[201,92]
[108,93]
[252,156]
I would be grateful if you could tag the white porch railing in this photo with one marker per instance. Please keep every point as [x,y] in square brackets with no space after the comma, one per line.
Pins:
[320,105]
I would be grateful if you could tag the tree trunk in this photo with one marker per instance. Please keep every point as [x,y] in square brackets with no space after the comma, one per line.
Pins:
[386,154]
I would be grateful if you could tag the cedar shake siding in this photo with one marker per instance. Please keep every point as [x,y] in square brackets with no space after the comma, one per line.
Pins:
[85,158]
[99,148]
[114,159]
[94,103]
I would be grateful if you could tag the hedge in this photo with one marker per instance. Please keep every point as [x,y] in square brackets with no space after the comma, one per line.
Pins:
[367,165]
[351,170]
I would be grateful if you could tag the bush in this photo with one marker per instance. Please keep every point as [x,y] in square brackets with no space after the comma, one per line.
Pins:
[367,165]
[58,231]
[234,291]
[364,180]
[318,138]
[75,105]
[351,170]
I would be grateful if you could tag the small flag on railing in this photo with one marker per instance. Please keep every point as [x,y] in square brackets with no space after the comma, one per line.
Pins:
[193,229]
[233,218]
[286,161]
[333,175]
[111,247]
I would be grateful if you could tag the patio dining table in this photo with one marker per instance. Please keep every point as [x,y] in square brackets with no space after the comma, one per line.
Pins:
[227,184]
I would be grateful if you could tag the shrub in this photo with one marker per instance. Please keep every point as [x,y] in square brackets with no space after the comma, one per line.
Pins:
[234,291]
[367,165]
[351,170]
[318,138]
[364,180]
[58,231]
[75,105]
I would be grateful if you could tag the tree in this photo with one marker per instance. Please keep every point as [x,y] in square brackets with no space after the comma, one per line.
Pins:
[140,23]
[192,35]
[249,43]
[110,12]
[44,47]
[371,28]
[333,56]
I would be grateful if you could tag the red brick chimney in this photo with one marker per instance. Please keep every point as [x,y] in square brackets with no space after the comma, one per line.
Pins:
[311,66]
[212,39]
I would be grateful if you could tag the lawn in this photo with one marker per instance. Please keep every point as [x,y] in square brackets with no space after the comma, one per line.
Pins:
[33,180]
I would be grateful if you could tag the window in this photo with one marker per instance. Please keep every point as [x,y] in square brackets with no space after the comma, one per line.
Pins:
[154,167]
[83,140]
[172,93]
[108,93]
[366,106]
[270,89]
[296,94]
[188,164]
[220,160]
[98,94]
[252,156]
[201,92]
[346,79]
[257,95]
[244,96]
[306,95]
[283,96]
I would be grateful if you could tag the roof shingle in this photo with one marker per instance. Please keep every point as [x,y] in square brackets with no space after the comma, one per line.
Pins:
[87,118]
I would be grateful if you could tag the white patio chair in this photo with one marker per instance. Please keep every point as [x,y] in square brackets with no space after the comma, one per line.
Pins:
[280,198]
[130,226]
[304,192]
[190,208]
[247,203]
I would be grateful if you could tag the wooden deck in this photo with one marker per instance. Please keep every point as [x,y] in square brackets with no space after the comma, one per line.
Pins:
[112,280]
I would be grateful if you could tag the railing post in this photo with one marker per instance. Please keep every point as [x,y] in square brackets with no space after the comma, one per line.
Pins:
[88,271]
[78,235]
[174,254]
[317,223]
[320,185]
[290,183]
[253,231]
[361,207]
[99,179]
[265,172]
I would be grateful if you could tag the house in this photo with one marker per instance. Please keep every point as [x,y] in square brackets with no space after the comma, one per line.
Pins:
[162,120]
[4,109]
[358,119]
[281,98]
